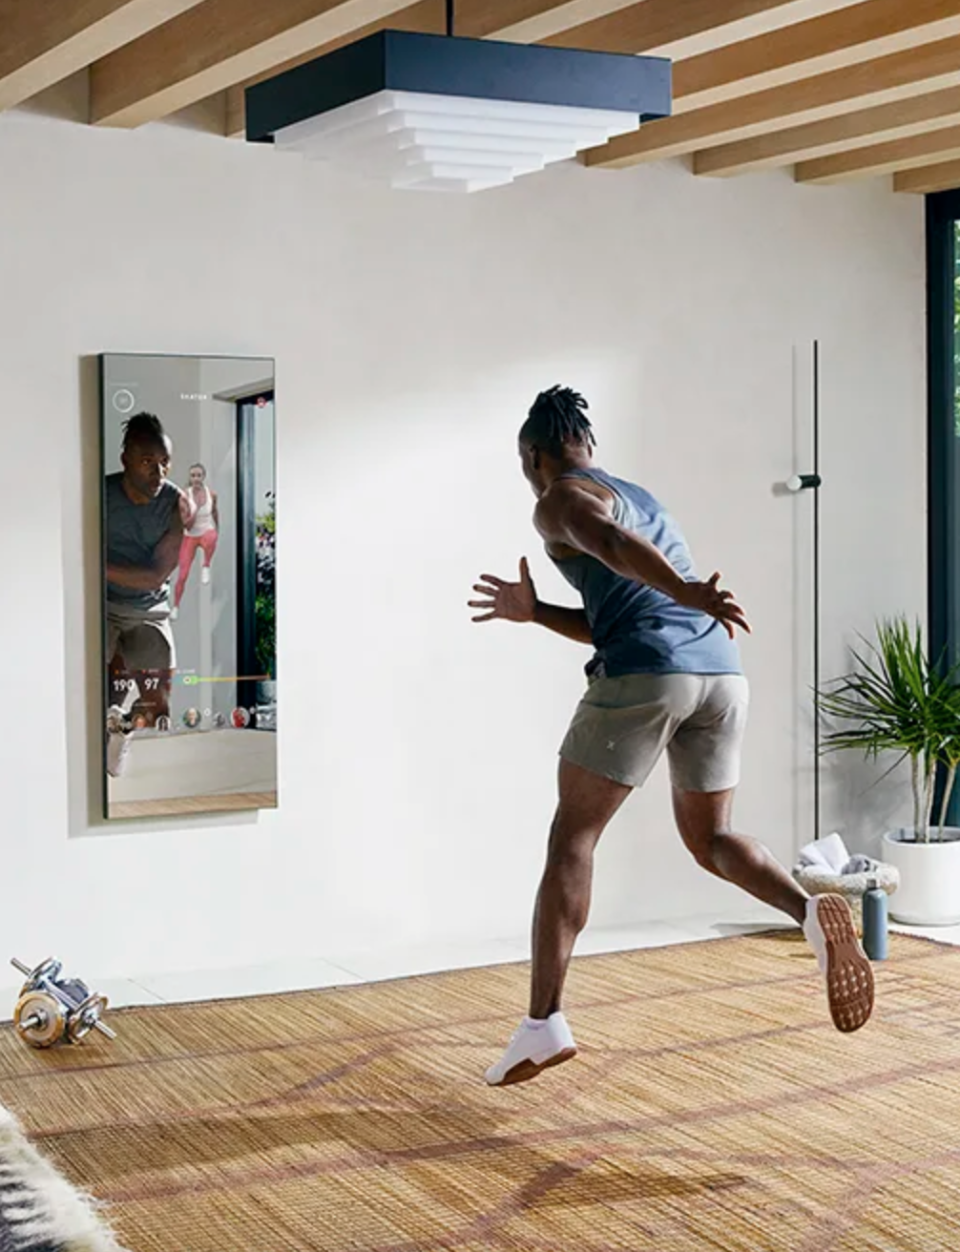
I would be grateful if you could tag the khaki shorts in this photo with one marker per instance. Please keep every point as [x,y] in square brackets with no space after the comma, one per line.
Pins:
[623,726]
[145,643]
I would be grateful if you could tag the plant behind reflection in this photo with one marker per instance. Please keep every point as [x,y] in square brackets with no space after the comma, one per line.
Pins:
[265,605]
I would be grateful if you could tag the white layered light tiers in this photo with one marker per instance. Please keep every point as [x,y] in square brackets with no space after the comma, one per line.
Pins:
[426,142]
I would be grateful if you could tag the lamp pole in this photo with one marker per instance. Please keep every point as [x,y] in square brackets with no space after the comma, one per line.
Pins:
[813,482]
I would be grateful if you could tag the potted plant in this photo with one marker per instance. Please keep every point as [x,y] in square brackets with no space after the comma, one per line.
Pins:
[898,700]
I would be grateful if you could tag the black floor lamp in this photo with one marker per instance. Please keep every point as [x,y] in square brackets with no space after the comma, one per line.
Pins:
[813,482]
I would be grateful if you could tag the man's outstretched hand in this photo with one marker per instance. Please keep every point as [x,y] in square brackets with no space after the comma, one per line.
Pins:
[709,599]
[512,602]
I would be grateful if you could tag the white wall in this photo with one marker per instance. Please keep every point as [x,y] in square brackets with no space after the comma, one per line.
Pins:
[417,752]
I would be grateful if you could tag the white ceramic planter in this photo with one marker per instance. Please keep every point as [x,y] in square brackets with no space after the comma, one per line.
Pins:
[929,891]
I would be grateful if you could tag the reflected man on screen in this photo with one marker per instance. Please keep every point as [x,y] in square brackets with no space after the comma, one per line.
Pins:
[145,517]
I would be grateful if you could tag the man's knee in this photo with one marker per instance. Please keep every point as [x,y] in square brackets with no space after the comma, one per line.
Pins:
[573,841]
[706,846]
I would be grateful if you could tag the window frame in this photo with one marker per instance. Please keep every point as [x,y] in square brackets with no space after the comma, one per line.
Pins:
[943,479]
[246,546]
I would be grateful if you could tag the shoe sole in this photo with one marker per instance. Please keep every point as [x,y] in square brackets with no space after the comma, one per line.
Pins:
[850,986]
[525,1070]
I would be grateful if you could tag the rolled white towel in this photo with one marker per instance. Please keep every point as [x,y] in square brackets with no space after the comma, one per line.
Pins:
[810,858]
[829,854]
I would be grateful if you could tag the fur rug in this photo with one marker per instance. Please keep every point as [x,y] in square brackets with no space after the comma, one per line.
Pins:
[39,1210]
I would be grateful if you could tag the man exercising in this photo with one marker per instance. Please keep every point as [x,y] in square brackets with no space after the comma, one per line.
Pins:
[665,677]
[145,520]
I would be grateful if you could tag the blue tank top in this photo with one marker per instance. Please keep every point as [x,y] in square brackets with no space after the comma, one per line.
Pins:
[132,534]
[637,629]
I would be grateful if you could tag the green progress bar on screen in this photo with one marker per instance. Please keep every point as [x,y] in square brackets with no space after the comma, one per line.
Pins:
[194,680]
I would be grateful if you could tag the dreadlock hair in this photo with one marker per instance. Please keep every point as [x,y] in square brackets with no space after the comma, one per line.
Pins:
[557,417]
[143,428]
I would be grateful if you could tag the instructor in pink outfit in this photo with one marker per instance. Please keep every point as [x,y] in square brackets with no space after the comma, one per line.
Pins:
[203,533]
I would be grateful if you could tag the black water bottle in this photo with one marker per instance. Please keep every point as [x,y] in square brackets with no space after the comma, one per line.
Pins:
[875,922]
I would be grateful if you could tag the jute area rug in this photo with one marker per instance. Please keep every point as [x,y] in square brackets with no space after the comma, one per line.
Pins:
[713,1108]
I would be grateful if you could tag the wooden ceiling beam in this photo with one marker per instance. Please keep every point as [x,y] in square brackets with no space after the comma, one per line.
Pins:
[213,46]
[801,143]
[882,158]
[884,80]
[944,176]
[861,32]
[42,42]
[675,28]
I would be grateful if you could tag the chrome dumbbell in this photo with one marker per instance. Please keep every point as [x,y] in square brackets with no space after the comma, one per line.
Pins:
[51,1008]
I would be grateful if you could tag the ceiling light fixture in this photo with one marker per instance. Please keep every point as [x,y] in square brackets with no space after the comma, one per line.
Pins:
[444,113]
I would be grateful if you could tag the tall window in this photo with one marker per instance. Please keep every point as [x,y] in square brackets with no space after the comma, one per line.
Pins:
[943,310]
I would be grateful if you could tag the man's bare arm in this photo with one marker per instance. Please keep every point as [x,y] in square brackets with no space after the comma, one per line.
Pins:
[582,520]
[571,623]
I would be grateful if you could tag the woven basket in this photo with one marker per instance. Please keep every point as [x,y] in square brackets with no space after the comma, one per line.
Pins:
[851,886]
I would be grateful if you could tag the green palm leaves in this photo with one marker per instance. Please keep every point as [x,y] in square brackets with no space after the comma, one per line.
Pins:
[898,701]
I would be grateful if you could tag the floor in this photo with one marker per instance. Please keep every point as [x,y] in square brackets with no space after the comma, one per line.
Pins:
[201,763]
[713,1106]
[338,968]
[235,802]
